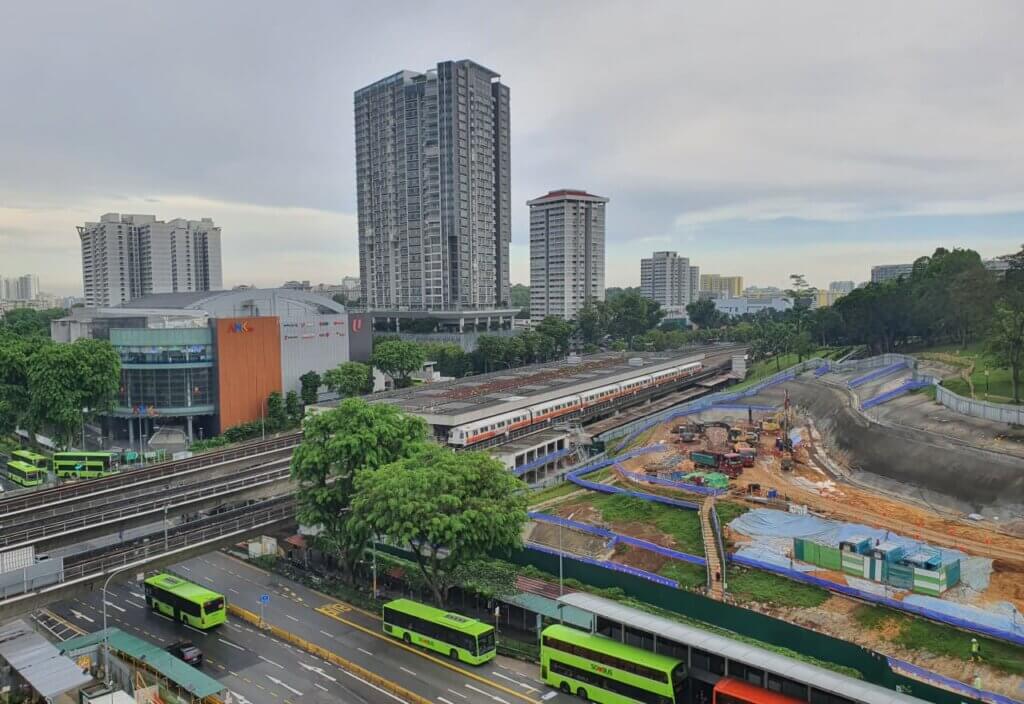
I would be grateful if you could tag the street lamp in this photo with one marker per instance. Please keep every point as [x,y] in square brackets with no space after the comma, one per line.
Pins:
[106,634]
[560,570]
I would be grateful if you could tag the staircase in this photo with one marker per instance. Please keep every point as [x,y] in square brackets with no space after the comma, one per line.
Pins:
[716,588]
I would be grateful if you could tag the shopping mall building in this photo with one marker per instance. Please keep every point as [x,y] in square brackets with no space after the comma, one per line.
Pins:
[206,361]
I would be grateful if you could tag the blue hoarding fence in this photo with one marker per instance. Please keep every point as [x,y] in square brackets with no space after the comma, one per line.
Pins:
[906,387]
[876,374]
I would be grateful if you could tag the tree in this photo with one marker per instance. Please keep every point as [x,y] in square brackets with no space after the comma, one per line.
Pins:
[340,299]
[70,383]
[592,323]
[14,395]
[490,349]
[1006,342]
[354,437]
[448,508]
[27,322]
[310,387]
[398,359]
[703,313]
[520,296]
[349,379]
[631,315]
[558,331]
[293,407]
[451,359]
[277,416]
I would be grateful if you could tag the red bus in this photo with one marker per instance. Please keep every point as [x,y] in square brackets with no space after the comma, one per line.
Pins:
[732,691]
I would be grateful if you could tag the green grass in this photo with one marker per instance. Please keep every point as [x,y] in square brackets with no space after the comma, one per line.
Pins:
[999,386]
[689,576]
[728,510]
[681,524]
[768,588]
[552,492]
[767,367]
[922,635]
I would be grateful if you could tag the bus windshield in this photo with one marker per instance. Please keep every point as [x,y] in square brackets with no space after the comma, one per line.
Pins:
[485,643]
[213,605]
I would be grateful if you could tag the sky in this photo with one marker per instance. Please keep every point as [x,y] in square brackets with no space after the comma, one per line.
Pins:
[758,138]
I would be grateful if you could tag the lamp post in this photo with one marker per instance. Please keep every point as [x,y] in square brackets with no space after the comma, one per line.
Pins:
[166,506]
[560,570]
[106,634]
[373,567]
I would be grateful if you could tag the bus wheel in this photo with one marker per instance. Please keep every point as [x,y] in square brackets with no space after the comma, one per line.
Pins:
[582,694]
[565,688]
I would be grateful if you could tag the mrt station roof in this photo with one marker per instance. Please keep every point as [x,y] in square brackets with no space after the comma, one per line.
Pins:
[475,397]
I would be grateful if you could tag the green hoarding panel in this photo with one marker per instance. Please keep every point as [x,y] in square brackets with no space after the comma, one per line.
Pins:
[829,557]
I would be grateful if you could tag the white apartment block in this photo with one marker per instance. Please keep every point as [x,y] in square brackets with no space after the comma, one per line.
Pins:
[566,253]
[20,288]
[129,256]
[669,279]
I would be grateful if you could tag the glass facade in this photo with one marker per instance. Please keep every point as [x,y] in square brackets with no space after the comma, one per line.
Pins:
[165,371]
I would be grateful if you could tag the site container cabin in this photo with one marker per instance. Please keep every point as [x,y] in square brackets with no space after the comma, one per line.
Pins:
[603,670]
[183,601]
[459,637]
[85,465]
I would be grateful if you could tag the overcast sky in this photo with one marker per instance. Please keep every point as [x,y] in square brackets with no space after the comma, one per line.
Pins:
[757,138]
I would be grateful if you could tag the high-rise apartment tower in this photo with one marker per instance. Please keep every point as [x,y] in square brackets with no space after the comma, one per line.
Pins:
[130,256]
[566,253]
[669,279]
[432,175]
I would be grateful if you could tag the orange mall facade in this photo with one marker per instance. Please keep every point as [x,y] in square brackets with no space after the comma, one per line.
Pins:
[248,367]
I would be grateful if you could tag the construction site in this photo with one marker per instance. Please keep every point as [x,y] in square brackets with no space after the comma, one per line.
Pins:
[808,502]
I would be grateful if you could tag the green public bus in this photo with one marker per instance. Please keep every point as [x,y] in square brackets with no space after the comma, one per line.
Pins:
[458,637]
[27,468]
[605,671]
[84,465]
[193,605]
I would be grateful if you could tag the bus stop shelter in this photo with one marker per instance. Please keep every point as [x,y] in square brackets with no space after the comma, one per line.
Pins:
[38,662]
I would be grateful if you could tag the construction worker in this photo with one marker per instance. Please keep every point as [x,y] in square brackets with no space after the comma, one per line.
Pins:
[977,681]
[975,650]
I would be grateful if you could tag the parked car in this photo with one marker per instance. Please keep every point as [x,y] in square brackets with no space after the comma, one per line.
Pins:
[187,652]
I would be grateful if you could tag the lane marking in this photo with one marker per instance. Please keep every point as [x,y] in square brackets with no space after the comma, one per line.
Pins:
[137,606]
[233,591]
[521,684]
[458,694]
[279,683]
[495,697]
[191,628]
[327,610]
[363,650]
[233,645]
[327,634]
[407,671]
[137,595]
[267,660]
[443,700]
[115,606]
[80,616]
[369,684]
[292,618]
[320,686]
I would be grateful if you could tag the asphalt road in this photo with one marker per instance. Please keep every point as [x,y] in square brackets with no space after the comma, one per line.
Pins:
[262,669]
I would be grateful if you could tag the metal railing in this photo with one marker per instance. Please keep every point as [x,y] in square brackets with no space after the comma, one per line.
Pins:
[64,492]
[192,495]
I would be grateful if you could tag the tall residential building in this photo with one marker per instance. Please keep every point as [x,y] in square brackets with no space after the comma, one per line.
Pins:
[20,288]
[841,287]
[432,174]
[889,272]
[566,253]
[721,286]
[129,256]
[669,279]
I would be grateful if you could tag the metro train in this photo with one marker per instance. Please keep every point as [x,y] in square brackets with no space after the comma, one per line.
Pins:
[506,423]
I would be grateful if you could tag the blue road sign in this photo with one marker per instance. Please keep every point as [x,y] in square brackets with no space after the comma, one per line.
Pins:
[264,598]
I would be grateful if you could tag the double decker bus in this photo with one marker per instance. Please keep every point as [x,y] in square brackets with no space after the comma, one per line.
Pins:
[458,637]
[84,465]
[181,600]
[602,670]
[27,468]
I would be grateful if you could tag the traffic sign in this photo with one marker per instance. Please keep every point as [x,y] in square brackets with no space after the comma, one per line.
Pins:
[264,598]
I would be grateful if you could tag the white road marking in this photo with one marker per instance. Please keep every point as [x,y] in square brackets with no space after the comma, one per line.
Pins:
[279,683]
[115,606]
[239,698]
[506,677]
[233,645]
[458,694]
[486,694]
[367,652]
[270,662]
[292,618]
[549,695]
[320,686]
[187,569]
[382,691]
[137,606]
[443,700]
[208,580]
[327,634]
[202,633]
[407,671]
[233,591]
[79,615]
[137,595]
[317,670]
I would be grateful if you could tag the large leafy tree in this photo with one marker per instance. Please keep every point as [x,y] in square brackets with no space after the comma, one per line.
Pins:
[26,322]
[631,315]
[14,395]
[558,331]
[1006,341]
[277,416]
[70,383]
[520,294]
[592,322]
[349,379]
[491,351]
[448,508]
[311,382]
[336,445]
[293,407]
[703,314]
[398,359]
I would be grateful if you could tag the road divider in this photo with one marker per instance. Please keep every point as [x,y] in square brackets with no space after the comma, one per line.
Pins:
[313,649]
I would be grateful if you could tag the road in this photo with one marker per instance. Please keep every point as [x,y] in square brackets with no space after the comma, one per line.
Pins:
[253,665]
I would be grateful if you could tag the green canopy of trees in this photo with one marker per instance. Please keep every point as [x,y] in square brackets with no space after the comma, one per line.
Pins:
[448,508]
[399,360]
[26,322]
[311,382]
[349,379]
